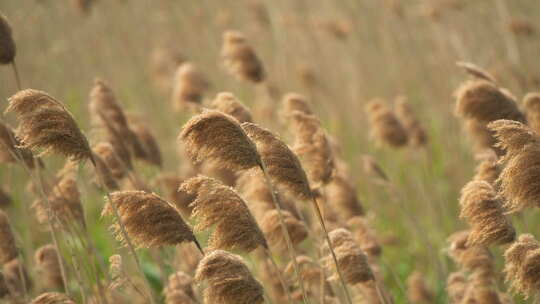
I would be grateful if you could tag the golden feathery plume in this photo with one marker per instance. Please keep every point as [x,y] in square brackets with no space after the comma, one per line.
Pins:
[106,152]
[488,169]
[179,289]
[476,71]
[229,280]
[104,172]
[152,153]
[240,59]
[271,228]
[365,236]
[10,148]
[313,147]
[385,127]
[189,87]
[220,206]
[522,265]
[282,165]
[417,291]
[227,103]
[296,102]
[52,298]
[7,44]
[217,137]
[416,133]
[531,103]
[483,212]
[46,259]
[456,285]
[45,123]
[310,270]
[343,195]
[472,258]
[8,247]
[17,278]
[149,220]
[351,259]
[182,200]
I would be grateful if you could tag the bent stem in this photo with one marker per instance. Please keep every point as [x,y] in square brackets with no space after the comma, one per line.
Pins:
[334,257]
[290,246]
[16,73]
[123,231]
[278,272]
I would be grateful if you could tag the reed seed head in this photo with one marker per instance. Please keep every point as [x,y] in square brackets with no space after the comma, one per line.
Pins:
[46,259]
[240,59]
[365,236]
[417,291]
[227,103]
[531,103]
[351,259]
[14,273]
[44,123]
[7,44]
[271,227]
[476,72]
[10,149]
[189,86]
[296,102]
[488,169]
[417,135]
[483,212]
[218,138]
[149,143]
[182,200]
[220,206]
[179,289]
[385,126]
[522,265]
[8,247]
[282,165]
[456,285]
[52,298]
[149,220]
[470,257]
[229,280]
[343,194]
[512,136]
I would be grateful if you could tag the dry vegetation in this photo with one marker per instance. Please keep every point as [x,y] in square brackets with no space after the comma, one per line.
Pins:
[258,151]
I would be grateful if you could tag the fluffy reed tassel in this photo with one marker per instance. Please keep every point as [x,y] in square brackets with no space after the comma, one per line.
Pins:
[8,247]
[365,236]
[217,137]
[180,199]
[417,291]
[152,153]
[7,45]
[472,258]
[10,148]
[189,86]
[227,103]
[296,102]
[313,147]
[519,181]
[483,212]
[488,169]
[522,265]
[105,173]
[476,71]
[281,163]
[351,259]
[14,273]
[52,298]
[272,229]
[229,280]
[46,259]
[149,220]
[385,127]
[417,135]
[343,195]
[220,206]
[240,59]
[45,123]
[456,285]
[179,289]
[531,103]
[106,111]
[106,152]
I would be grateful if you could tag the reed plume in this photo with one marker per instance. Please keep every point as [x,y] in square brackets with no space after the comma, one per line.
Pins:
[282,165]
[240,59]
[488,169]
[17,278]
[351,259]
[476,72]
[227,103]
[417,291]
[512,136]
[149,143]
[52,298]
[229,280]
[385,127]
[10,149]
[483,212]
[522,265]
[271,227]
[105,174]
[149,220]
[456,285]
[220,206]
[45,123]
[296,102]
[343,195]
[313,147]
[218,138]
[189,86]
[179,289]
[471,258]
[8,247]
[365,236]
[46,259]
[417,136]
[7,44]
[531,103]
[181,200]
[106,152]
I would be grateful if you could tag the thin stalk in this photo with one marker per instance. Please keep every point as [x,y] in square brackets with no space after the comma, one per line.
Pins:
[16,74]
[126,237]
[278,272]
[321,221]
[290,246]
[21,275]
